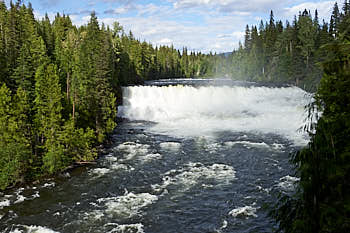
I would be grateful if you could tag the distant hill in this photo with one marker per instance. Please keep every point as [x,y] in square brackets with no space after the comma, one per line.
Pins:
[226,54]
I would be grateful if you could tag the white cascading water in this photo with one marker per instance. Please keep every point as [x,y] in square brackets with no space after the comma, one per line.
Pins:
[185,111]
[213,157]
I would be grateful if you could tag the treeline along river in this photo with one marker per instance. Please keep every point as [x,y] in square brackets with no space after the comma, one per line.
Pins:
[188,156]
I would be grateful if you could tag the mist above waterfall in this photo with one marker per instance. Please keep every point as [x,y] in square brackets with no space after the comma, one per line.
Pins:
[188,111]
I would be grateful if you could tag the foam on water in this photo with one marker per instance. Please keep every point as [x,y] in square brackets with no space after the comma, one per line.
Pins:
[193,173]
[212,148]
[278,147]
[49,185]
[288,183]
[114,164]
[224,224]
[35,195]
[136,151]
[98,172]
[32,229]
[128,205]
[111,158]
[117,166]
[93,216]
[172,146]
[132,149]
[20,198]
[4,203]
[128,228]
[246,211]
[150,157]
[186,111]
[247,144]
[266,190]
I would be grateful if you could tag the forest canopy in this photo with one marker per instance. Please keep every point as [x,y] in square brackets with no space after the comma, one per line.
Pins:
[59,87]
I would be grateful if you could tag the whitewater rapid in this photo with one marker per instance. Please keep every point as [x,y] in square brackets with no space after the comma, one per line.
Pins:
[188,111]
[189,156]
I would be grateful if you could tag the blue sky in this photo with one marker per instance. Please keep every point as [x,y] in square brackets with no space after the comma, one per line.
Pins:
[201,25]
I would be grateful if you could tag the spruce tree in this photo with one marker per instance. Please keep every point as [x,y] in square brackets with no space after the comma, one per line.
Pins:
[3,47]
[307,36]
[48,119]
[15,140]
[335,19]
[247,39]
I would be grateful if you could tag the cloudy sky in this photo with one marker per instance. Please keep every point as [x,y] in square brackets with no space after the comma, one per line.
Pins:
[201,25]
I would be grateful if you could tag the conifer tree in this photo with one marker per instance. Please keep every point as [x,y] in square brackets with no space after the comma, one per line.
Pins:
[3,47]
[306,36]
[335,19]
[15,148]
[247,39]
[48,117]
[47,34]
[96,68]
[61,86]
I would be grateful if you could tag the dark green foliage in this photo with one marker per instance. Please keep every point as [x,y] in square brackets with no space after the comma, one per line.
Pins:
[59,85]
[335,20]
[48,119]
[289,53]
[77,143]
[323,199]
[3,52]
[15,148]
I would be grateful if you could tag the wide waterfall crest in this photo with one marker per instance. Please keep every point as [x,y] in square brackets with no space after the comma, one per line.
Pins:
[186,111]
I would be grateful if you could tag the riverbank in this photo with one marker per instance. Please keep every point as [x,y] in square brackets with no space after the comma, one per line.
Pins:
[160,176]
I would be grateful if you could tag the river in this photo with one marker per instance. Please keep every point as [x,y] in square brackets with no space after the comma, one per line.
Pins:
[189,156]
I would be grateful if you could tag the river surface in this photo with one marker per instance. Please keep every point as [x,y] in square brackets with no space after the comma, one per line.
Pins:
[189,156]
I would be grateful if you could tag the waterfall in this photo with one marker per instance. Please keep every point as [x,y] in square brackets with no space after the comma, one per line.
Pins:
[194,111]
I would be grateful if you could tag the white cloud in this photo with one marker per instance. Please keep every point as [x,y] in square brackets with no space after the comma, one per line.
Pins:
[190,3]
[324,9]
[108,21]
[121,10]
[49,3]
[235,35]
[238,34]
[149,32]
[38,15]
[164,25]
[152,9]
[79,20]
[201,25]
[203,38]
[232,6]
[166,41]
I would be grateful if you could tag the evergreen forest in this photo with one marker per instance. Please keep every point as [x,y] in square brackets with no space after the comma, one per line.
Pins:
[60,84]
[289,53]
[60,87]
[315,57]
[322,200]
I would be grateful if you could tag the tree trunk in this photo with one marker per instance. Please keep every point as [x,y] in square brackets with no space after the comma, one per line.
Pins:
[73,111]
[68,76]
